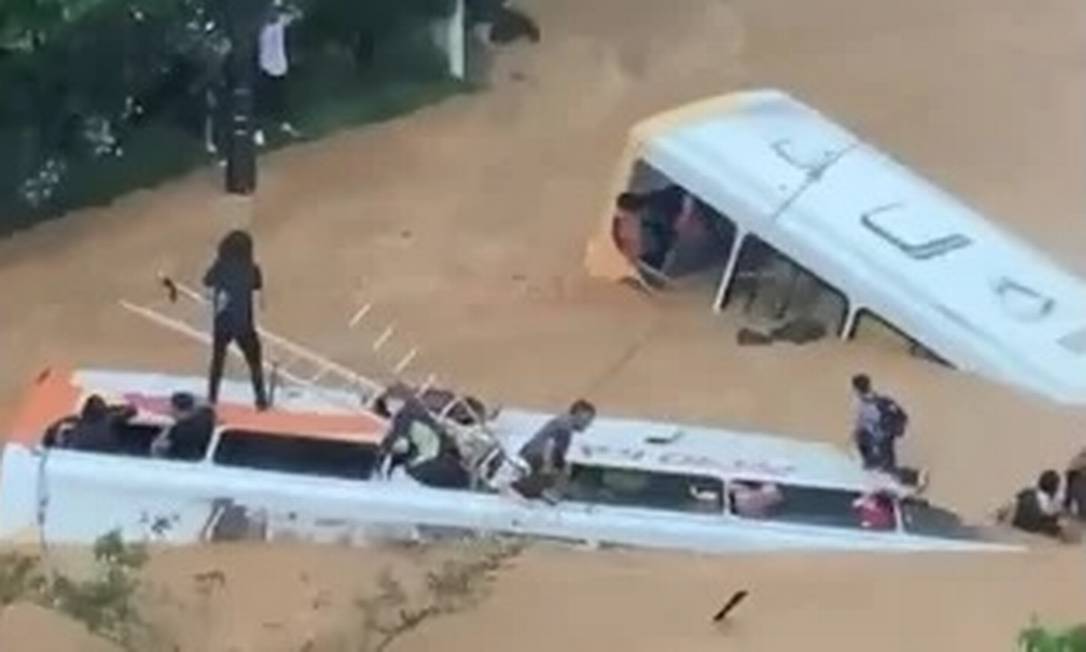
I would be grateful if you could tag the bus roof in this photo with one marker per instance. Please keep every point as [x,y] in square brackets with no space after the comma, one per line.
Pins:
[57,393]
[698,450]
[892,242]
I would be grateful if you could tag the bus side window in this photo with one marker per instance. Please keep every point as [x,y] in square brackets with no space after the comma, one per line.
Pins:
[775,287]
[295,454]
[651,490]
[816,506]
[870,328]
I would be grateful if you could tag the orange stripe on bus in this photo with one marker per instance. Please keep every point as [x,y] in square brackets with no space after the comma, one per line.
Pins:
[51,397]
[350,427]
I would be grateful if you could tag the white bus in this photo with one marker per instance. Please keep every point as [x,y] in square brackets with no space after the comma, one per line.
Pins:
[306,470]
[781,186]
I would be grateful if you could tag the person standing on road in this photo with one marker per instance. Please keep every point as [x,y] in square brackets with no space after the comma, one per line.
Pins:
[273,93]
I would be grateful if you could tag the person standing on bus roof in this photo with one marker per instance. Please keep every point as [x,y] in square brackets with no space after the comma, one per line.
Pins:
[232,280]
[545,452]
[880,421]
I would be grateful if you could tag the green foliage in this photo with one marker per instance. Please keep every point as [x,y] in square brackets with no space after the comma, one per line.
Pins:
[1037,638]
[20,576]
[103,96]
[105,603]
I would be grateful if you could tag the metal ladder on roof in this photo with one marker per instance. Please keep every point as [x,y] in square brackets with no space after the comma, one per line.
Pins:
[304,368]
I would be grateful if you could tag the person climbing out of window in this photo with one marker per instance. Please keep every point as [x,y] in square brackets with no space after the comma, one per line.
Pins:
[190,434]
[545,452]
[98,426]
[414,436]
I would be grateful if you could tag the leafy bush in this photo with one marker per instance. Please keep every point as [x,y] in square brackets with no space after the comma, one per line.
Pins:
[103,96]
[1037,638]
[105,603]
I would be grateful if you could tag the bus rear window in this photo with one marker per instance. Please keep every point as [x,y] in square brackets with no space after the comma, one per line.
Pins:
[636,488]
[296,454]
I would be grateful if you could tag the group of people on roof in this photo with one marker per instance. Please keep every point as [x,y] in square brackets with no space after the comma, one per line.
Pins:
[427,451]
[102,428]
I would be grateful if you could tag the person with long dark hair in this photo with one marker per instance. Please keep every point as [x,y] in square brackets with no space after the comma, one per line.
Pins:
[233,279]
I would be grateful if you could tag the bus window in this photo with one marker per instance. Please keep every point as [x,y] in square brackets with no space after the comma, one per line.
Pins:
[776,287]
[923,519]
[673,232]
[870,328]
[636,488]
[135,438]
[295,454]
[815,506]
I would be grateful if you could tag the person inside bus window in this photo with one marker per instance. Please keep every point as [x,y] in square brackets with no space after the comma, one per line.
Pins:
[98,426]
[875,511]
[190,434]
[626,226]
[755,499]
[663,211]
[545,452]
[697,243]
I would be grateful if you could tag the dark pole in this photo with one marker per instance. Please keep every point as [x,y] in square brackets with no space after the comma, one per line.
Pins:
[244,18]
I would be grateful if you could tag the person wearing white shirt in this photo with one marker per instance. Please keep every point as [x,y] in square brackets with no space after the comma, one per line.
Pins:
[274,66]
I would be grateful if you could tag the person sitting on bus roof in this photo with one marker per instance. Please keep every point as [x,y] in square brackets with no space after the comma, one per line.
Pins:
[755,499]
[98,425]
[190,434]
[545,452]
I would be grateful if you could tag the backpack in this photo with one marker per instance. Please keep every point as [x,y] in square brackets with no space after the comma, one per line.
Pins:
[892,417]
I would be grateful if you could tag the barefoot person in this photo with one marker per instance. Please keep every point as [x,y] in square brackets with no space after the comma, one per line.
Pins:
[232,280]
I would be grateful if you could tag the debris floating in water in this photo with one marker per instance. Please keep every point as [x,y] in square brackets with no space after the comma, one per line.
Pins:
[732,603]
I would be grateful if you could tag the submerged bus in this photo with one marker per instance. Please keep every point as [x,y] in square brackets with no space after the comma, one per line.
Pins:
[307,470]
[877,248]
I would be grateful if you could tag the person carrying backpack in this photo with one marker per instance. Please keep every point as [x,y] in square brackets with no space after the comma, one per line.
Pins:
[880,422]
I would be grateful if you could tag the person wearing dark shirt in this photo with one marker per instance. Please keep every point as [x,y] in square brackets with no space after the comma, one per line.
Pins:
[545,452]
[190,434]
[1037,510]
[233,279]
[96,429]
[398,447]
